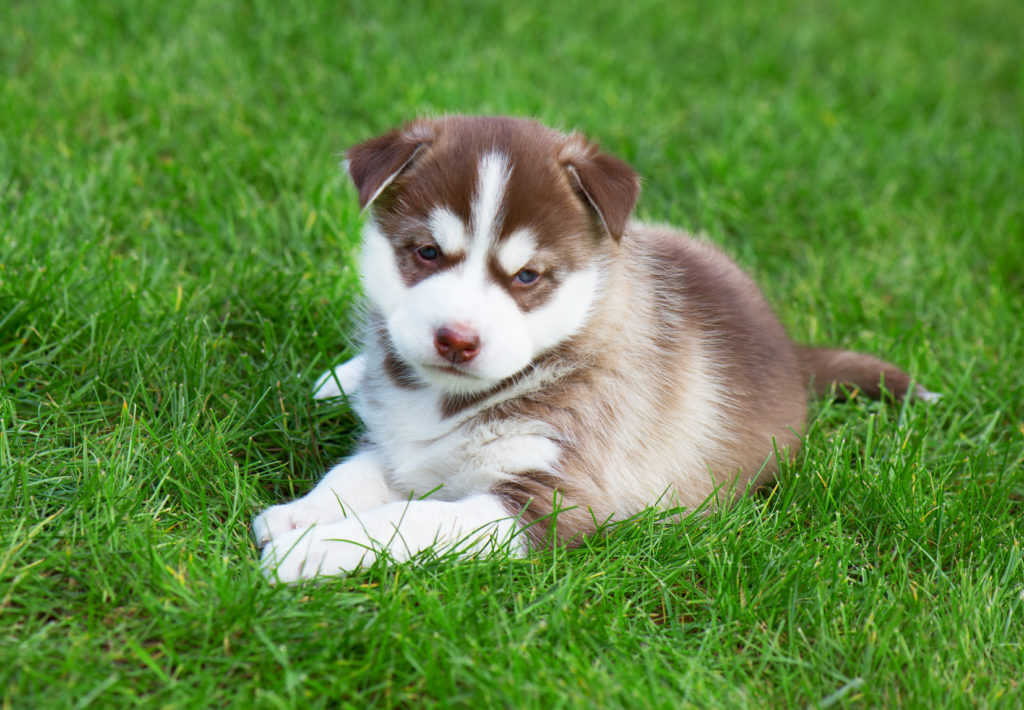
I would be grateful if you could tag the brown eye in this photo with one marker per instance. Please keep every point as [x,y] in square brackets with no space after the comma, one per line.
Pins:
[527,277]
[429,253]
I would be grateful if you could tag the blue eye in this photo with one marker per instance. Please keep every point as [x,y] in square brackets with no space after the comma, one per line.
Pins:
[527,276]
[429,253]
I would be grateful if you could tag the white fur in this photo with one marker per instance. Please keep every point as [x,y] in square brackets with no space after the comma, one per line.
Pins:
[342,380]
[382,281]
[346,520]
[403,420]
[354,485]
[449,232]
[427,453]
[516,251]
[492,180]
[565,314]
[464,296]
[474,525]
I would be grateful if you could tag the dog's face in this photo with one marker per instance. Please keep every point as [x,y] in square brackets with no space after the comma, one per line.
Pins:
[487,242]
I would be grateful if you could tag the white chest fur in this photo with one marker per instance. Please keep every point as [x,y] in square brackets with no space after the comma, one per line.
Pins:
[448,457]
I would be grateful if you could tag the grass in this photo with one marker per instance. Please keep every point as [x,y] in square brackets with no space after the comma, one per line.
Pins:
[177,249]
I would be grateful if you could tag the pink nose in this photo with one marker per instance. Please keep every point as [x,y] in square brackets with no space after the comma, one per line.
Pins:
[457,343]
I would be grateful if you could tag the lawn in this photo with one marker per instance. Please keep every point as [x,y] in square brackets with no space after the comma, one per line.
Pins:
[177,264]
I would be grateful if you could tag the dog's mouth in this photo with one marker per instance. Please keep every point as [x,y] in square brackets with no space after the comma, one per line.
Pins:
[450,370]
[453,379]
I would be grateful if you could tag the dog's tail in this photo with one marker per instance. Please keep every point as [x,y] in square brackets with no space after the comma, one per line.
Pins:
[843,373]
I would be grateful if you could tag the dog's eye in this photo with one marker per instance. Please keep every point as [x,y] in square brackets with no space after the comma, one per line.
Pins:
[527,276]
[429,253]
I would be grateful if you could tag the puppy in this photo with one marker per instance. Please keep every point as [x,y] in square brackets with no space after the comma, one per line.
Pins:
[534,364]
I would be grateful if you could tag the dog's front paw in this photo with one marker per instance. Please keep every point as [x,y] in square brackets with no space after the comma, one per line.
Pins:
[314,552]
[279,520]
[342,380]
[287,557]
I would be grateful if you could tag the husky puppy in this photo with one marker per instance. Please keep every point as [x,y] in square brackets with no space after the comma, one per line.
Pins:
[534,364]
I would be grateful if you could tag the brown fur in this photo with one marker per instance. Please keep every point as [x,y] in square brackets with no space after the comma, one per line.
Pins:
[682,386]
[842,373]
[625,386]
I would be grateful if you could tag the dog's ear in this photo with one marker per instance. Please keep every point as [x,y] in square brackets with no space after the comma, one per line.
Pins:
[376,163]
[606,183]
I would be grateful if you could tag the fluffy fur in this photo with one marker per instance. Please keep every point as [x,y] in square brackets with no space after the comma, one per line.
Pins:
[534,364]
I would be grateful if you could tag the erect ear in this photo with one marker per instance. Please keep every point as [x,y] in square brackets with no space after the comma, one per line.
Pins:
[375,164]
[608,184]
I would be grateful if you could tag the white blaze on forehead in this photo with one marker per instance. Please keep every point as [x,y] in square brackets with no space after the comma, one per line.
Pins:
[492,180]
[449,231]
[516,251]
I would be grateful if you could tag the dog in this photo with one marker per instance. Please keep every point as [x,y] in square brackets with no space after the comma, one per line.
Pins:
[535,364]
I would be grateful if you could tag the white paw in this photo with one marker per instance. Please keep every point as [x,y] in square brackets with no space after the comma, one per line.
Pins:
[317,551]
[926,396]
[342,380]
[279,520]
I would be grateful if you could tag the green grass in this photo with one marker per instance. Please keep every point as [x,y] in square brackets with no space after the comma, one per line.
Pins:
[177,250]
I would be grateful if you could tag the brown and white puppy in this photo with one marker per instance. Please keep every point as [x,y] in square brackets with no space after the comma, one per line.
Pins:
[528,348]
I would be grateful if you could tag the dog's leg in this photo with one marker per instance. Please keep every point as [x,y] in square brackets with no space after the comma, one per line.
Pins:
[343,379]
[352,486]
[479,524]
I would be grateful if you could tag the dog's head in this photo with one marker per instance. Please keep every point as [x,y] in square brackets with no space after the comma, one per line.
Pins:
[486,241]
